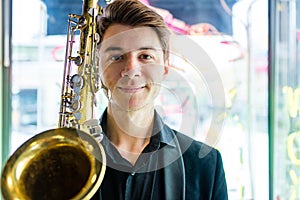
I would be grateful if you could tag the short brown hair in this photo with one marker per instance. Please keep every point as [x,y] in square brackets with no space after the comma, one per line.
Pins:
[136,14]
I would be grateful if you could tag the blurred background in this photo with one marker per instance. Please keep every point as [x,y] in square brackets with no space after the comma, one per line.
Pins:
[254,46]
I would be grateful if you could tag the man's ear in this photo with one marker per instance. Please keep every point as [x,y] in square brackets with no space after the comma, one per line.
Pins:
[167,65]
[166,70]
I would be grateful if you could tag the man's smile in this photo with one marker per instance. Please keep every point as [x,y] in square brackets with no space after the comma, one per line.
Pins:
[131,89]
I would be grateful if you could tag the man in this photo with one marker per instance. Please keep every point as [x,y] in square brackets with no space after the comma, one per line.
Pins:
[146,159]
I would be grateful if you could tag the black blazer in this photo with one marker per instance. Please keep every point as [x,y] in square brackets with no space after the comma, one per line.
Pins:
[204,172]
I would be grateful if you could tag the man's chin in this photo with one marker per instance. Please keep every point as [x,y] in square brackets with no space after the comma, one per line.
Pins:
[132,106]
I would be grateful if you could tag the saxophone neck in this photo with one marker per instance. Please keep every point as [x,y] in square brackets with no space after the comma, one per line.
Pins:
[79,91]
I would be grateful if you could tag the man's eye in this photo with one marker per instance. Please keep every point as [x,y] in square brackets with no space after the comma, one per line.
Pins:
[116,57]
[146,56]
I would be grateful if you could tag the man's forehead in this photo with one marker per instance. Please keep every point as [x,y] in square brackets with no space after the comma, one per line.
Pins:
[136,38]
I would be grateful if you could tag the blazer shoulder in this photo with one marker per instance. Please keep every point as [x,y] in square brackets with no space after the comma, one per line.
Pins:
[197,149]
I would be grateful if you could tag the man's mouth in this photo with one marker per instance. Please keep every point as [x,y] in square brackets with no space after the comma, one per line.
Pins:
[132,89]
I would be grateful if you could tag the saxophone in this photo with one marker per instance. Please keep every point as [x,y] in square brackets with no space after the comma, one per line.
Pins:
[67,162]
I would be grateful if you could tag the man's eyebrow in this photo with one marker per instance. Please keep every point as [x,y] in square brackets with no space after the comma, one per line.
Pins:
[112,48]
[115,48]
[149,48]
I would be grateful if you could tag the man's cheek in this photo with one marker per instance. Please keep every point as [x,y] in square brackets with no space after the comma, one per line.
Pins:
[156,76]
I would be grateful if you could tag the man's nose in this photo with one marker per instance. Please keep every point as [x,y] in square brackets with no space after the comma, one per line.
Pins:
[132,67]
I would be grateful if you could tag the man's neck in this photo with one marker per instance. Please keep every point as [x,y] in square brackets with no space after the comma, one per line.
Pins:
[130,131]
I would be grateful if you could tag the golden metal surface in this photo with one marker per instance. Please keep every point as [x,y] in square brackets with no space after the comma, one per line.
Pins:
[63,163]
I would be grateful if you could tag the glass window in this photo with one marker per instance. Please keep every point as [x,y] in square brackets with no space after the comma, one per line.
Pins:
[236,43]
[285,100]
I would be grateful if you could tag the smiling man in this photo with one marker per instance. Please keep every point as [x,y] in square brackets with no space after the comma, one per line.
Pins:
[133,65]
[146,159]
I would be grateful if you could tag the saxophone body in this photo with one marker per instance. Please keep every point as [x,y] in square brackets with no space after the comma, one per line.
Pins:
[67,162]
[79,89]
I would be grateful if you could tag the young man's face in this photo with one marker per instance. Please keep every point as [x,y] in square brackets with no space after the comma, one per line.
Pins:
[132,65]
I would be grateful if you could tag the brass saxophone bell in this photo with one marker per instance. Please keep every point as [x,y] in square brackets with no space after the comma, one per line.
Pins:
[60,164]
